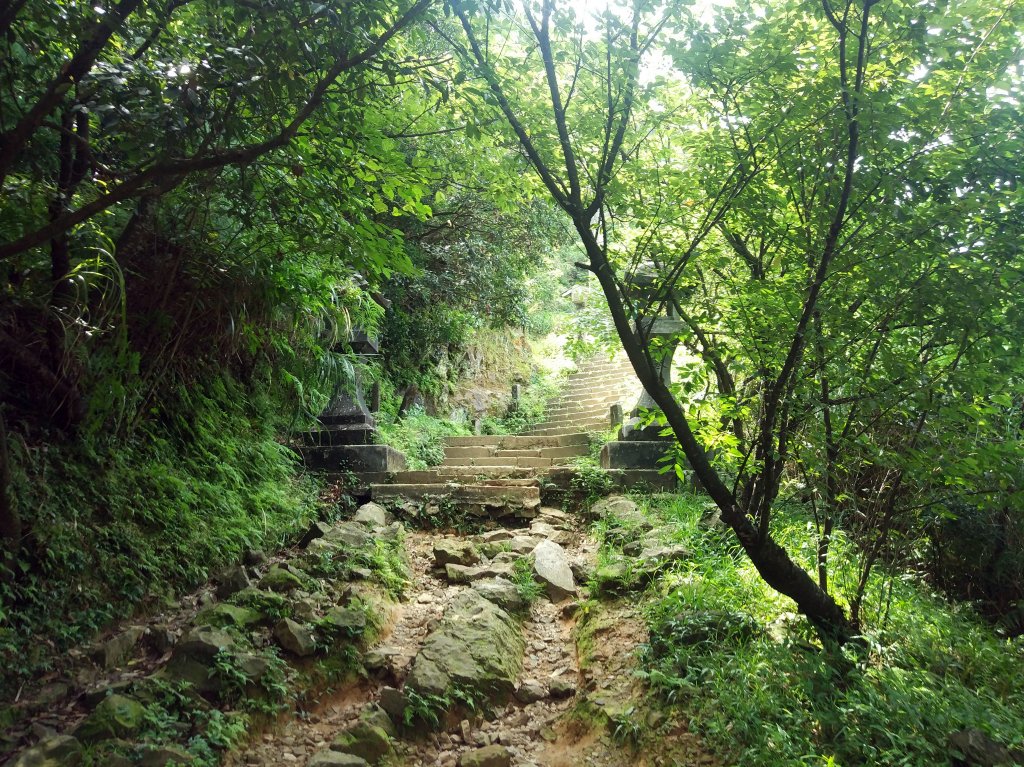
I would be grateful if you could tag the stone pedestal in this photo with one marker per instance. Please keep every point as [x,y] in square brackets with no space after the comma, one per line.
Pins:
[346,438]
[356,458]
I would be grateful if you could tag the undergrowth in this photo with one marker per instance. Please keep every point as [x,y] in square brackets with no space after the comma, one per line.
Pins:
[420,436]
[115,522]
[732,654]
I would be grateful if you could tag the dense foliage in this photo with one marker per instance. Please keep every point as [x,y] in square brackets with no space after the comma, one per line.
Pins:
[201,200]
[825,199]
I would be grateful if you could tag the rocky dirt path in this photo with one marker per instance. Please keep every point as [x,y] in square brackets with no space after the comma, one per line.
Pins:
[534,728]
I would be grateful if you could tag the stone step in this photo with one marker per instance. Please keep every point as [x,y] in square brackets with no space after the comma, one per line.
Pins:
[470,473]
[518,441]
[496,500]
[459,475]
[532,463]
[557,431]
[608,379]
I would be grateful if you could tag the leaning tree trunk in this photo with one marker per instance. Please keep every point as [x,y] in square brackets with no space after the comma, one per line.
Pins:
[772,561]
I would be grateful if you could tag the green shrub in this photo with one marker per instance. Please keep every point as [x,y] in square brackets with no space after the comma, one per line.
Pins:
[745,668]
[421,437]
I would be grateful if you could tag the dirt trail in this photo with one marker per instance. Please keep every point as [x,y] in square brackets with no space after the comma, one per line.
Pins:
[539,733]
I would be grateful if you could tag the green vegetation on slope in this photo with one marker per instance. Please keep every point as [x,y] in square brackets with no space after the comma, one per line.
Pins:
[727,651]
[115,523]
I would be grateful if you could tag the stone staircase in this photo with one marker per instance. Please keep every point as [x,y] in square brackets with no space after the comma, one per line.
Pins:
[499,476]
[586,399]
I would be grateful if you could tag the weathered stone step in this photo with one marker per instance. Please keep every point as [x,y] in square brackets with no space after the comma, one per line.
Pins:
[492,461]
[490,472]
[499,498]
[482,492]
[558,431]
[518,441]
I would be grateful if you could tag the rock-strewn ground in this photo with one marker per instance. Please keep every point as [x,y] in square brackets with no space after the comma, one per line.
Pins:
[489,657]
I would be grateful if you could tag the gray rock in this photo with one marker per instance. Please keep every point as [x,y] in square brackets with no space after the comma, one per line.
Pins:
[460,574]
[659,555]
[523,544]
[51,751]
[560,687]
[294,638]
[92,698]
[336,759]
[231,581]
[488,756]
[625,520]
[495,536]
[350,619]
[454,551]
[556,534]
[116,716]
[160,638]
[551,566]
[204,642]
[379,658]
[371,514]
[115,651]
[581,571]
[363,740]
[530,691]
[394,703]
[500,591]
[352,535]
[254,558]
[477,646]
[973,748]
[553,513]
[192,658]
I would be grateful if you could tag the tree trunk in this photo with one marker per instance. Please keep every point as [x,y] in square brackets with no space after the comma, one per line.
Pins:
[771,561]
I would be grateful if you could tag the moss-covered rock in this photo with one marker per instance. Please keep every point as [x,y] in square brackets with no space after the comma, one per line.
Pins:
[478,648]
[280,580]
[225,614]
[116,716]
[364,740]
[54,751]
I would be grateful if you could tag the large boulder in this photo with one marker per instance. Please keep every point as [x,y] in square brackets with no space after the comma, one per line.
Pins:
[294,637]
[193,658]
[280,580]
[231,581]
[115,651]
[551,566]
[478,647]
